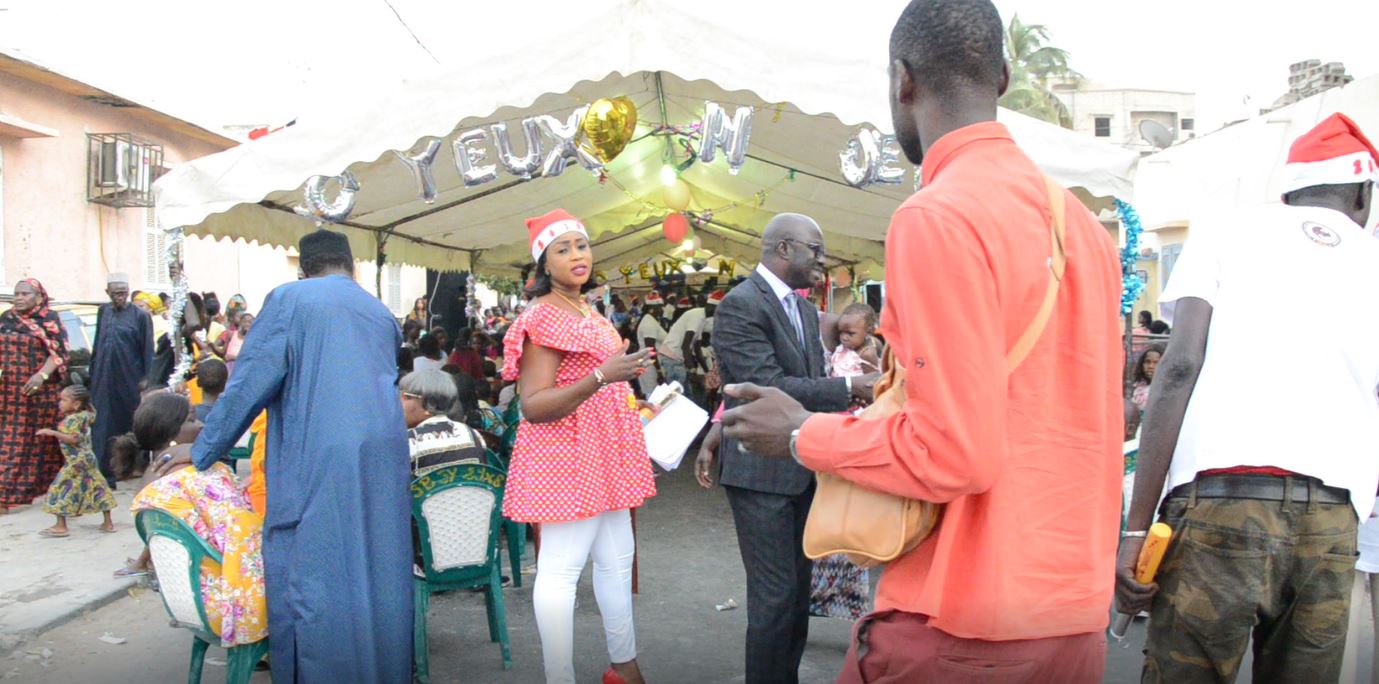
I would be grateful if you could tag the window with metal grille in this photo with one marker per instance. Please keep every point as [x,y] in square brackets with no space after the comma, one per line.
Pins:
[1103,126]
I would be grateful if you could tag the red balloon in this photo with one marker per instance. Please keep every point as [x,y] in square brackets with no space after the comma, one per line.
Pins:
[675,228]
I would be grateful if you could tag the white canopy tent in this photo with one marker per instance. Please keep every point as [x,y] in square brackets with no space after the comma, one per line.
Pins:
[1241,166]
[813,85]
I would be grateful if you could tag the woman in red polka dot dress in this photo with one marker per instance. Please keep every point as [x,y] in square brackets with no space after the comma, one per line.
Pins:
[580,460]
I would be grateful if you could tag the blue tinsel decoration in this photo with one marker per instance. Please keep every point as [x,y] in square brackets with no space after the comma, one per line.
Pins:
[1131,285]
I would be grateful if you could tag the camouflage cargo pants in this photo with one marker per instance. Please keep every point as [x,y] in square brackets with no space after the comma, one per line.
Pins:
[1236,568]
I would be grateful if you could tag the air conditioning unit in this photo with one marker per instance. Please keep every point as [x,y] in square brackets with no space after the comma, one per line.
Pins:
[121,168]
[113,165]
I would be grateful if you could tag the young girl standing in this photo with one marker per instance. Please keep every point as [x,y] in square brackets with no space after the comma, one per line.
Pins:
[79,488]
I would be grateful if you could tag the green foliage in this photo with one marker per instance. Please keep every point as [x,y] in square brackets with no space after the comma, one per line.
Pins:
[501,284]
[1034,67]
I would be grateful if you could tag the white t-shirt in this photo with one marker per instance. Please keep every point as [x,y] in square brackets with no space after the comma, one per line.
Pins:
[1369,546]
[691,322]
[422,363]
[650,328]
[1300,394]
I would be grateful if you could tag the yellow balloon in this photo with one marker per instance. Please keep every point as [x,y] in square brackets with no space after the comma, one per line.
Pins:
[609,125]
[676,196]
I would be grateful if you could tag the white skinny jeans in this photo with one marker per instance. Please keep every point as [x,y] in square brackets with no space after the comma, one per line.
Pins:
[565,547]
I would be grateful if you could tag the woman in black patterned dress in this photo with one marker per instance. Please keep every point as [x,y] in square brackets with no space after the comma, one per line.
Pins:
[33,361]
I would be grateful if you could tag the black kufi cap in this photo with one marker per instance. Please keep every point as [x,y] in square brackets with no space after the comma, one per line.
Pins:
[324,243]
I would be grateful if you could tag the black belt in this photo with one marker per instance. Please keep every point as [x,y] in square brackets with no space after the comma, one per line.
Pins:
[1262,488]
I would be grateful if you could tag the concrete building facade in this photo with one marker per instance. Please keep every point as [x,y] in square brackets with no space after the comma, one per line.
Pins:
[1115,114]
[54,232]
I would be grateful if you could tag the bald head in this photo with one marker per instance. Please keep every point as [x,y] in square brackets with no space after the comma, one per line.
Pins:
[792,247]
[789,227]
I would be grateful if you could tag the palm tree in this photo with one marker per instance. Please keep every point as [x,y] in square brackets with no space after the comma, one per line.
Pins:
[1034,67]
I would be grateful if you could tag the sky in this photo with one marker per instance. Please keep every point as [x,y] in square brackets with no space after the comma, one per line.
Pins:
[1222,50]
[253,62]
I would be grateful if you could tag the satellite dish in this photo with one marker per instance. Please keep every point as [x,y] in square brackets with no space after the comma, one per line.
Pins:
[1156,134]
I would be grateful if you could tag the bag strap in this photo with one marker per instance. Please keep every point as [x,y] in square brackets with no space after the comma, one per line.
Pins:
[1058,262]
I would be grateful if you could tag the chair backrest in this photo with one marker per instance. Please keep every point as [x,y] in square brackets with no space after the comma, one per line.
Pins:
[509,441]
[177,553]
[495,459]
[513,415]
[458,510]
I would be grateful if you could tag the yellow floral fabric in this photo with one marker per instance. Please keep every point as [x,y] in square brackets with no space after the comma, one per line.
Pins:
[213,505]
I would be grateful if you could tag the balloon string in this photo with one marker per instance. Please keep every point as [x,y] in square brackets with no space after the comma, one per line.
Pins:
[757,200]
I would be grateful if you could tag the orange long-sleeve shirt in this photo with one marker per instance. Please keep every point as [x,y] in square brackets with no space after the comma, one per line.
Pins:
[257,488]
[1029,465]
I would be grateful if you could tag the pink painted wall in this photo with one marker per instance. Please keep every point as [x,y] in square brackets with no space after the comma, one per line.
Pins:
[50,231]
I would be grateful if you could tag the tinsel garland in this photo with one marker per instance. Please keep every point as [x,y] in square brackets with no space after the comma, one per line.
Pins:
[177,306]
[471,303]
[1131,285]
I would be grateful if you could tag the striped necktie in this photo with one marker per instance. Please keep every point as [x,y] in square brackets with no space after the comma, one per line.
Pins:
[792,310]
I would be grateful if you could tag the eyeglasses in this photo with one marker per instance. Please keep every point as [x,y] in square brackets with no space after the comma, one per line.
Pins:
[816,247]
[409,395]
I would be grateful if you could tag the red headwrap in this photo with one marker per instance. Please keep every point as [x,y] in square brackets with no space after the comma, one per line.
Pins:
[45,325]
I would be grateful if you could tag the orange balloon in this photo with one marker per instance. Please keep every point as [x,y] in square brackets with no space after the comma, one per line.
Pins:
[675,227]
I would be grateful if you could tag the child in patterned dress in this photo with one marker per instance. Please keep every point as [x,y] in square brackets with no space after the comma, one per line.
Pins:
[838,588]
[79,488]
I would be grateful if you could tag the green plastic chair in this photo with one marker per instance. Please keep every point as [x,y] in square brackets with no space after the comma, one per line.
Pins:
[512,415]
[515,532]
[458,510]
[244,453]
[177,554]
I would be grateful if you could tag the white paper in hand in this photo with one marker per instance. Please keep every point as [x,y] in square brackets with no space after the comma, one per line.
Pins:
[671,432]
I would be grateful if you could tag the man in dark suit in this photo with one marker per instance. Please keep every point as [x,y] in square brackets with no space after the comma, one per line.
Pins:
[767,334]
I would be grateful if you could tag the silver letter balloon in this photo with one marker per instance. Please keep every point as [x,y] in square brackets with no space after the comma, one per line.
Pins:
[730,135]
[420,164]
[527,164]
[314,198]
[565,147]
[870,158]
[467,158]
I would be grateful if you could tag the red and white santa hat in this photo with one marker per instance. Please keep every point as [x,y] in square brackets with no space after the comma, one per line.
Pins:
[653,298]
[544,229]
[1335,152]
[716,297]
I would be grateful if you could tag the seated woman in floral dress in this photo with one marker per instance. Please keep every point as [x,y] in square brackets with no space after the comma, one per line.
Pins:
[213,504]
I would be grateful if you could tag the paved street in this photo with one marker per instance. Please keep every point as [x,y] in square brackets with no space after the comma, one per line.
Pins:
[46,581]
[688,563]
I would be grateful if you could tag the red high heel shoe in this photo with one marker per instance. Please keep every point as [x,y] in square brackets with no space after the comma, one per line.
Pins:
[611,676]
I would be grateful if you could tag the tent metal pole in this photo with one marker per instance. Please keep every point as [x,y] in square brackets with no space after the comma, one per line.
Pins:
[815,176]
[723,226]
[451,205]
[374,229]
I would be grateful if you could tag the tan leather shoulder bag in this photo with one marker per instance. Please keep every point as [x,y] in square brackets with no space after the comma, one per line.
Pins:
[874,527]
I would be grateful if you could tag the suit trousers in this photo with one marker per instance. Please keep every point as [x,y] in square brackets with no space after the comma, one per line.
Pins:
[770,536]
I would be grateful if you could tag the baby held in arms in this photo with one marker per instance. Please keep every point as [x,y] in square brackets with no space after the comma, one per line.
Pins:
[858,351]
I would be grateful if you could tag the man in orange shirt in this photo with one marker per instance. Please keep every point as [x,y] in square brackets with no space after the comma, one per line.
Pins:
[1016,580]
